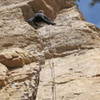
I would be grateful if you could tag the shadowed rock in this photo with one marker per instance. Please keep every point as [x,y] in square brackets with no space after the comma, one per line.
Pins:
[15,57]
[70,33]
[3,75]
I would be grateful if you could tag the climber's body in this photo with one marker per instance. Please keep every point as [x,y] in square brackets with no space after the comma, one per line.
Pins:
[39,17]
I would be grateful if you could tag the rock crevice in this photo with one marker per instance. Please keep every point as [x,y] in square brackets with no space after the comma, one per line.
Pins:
[69,50]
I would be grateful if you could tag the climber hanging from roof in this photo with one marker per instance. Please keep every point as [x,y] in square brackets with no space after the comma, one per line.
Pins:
[39,17]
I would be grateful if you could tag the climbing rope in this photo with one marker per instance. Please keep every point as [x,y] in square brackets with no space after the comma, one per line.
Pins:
[52,68]
[51,63]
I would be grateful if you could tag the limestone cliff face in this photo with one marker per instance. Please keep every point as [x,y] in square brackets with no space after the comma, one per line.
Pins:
[72,66]
[67,53]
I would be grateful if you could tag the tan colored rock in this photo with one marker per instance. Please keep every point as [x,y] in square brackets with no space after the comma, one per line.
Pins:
[70,3]
[75,73]
[69,34]
[23,83]
[15,57]
[77,77]
[3,75]
[14,31]
[10,2]
[22,74]
[75,70]
[16,37]
[51,7]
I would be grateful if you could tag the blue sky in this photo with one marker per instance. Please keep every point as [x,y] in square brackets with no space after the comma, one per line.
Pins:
[91,13]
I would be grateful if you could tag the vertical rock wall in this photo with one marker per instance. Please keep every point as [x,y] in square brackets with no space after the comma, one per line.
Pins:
[21,47]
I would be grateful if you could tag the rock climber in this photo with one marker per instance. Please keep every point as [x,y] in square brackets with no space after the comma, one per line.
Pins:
[40,17]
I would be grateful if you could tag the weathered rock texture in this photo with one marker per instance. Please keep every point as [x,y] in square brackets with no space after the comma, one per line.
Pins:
[70,34]
[21,47]
[19,75]
[73,72]
[77,77]
[21,83]
[3,74]
[68,53]
[15,57]
[51,7]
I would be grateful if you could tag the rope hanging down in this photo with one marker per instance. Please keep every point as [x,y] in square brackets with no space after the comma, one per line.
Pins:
[52,68]
[53,80]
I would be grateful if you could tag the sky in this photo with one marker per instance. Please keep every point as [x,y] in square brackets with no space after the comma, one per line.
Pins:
[90,10]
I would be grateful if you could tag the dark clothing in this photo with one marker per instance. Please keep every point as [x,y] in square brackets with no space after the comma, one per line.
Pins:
[39,17]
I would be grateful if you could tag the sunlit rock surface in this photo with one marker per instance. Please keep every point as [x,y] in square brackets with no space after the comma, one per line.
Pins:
[70,34]
[68,53]
[21,47]
[77,77]
[72,71]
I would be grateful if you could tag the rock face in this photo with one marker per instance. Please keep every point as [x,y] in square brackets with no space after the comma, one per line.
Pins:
[72,68]
[21,83]
[77,77]
[70,34]
[15,57]
[19,75]
[51,7]
[3,74]
[21,47]
[67,53]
